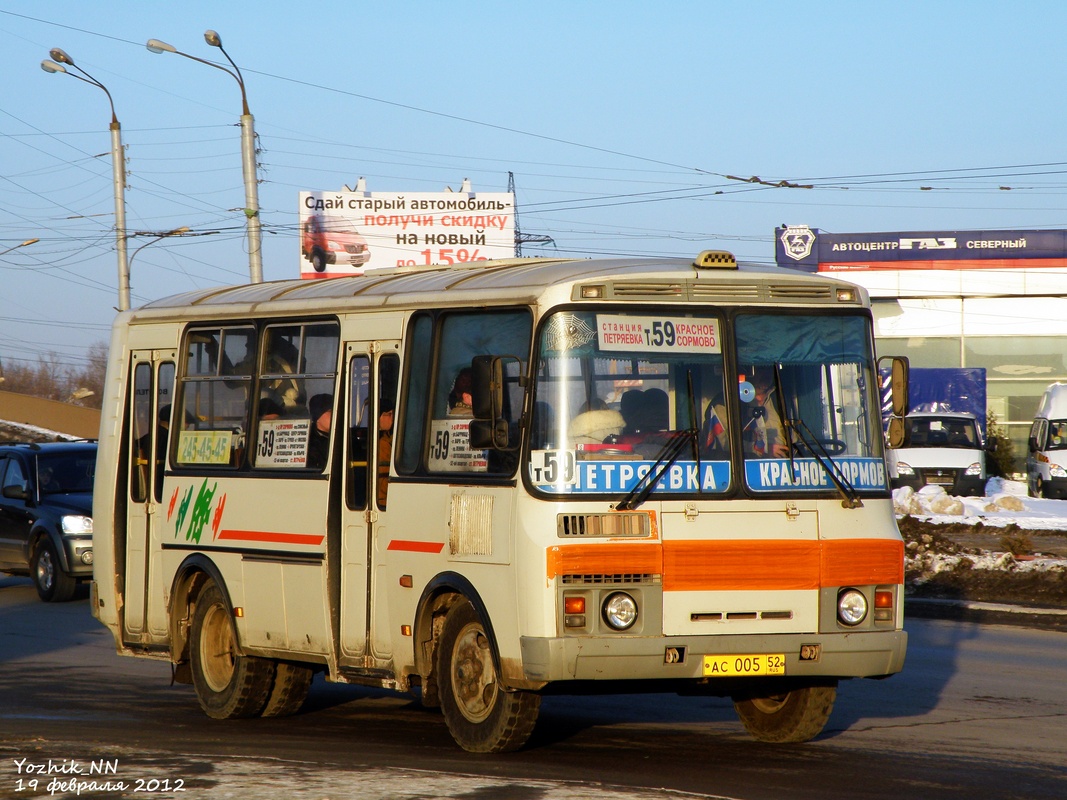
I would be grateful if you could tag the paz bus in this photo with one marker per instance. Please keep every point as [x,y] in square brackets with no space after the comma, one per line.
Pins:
[491,482]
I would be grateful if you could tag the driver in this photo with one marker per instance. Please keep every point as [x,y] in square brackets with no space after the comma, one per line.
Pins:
[762,431]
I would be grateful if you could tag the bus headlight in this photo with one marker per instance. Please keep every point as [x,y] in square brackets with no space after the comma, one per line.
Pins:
[620,611]
[974,469]
[851,607]
[904,469]
[1056,471]
[76,524]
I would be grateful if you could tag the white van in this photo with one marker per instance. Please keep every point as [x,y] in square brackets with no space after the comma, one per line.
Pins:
[943,449]
[1046,458]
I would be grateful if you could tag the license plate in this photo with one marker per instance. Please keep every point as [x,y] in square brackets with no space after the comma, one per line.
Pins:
[940,480]
[741,665]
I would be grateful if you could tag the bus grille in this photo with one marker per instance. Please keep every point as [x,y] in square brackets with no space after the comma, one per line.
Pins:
[615,524]
[795,291]
[599,580]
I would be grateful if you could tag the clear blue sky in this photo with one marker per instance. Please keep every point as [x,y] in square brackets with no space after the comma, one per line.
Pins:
[619,119]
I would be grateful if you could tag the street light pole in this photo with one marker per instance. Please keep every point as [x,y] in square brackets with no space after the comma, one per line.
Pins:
[118,168]
[248,150]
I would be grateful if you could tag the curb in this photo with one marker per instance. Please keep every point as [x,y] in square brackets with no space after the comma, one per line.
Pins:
[986,613]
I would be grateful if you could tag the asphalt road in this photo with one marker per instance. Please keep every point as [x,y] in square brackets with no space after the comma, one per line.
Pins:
[980,711]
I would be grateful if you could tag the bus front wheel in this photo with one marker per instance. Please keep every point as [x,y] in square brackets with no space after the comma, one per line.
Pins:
[228,685]
[798,715]
[481,715]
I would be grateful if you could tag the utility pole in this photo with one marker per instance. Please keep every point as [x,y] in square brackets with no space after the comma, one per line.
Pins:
[520,237]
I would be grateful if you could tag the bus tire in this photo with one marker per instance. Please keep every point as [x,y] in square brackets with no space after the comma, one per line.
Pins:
[290,689]
[480,714]
[798,715]
[53,584]
[228,685]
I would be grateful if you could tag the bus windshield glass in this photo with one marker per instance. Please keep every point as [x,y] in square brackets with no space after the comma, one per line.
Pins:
[623,399]
[805,403]
[619,395]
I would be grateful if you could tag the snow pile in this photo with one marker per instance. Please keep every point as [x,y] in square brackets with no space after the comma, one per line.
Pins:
[1005,504]
[1005,507]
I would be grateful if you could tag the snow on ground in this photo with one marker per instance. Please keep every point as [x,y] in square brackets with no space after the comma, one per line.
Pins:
[1005,503]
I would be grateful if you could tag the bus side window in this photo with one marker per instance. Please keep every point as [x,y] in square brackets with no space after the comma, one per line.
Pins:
[216,384]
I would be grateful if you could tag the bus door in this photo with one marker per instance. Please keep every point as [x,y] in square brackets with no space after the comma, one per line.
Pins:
[373,369]
[149,412]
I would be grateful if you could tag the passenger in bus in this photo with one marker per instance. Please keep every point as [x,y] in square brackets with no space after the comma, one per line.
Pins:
[632,408]
[385,448]
[763,433]
[321,408]
[595,422]
[460,401]
[657,411]
[269,409]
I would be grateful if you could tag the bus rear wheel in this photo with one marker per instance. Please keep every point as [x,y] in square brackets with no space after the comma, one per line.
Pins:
[289,690]
[480,714]
[228,685]
[798,715]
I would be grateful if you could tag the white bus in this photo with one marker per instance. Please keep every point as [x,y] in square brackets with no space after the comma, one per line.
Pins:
[634,475]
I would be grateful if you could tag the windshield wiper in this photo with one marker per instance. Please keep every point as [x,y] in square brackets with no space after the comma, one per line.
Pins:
[667,455]
[850,497]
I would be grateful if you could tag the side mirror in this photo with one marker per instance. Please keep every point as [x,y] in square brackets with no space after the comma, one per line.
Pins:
[991,445]
[16,491]
[486,433]
[1032,444]
[898,385]
[491,426]
[896,433]
[487,390]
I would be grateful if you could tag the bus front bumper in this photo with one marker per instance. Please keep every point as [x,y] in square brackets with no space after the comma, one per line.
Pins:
[839,655]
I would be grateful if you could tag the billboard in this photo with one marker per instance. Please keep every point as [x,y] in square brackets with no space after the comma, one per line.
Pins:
[346,233]
[812,250]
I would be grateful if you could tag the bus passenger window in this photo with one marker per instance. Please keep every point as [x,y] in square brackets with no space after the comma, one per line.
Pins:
[214,392]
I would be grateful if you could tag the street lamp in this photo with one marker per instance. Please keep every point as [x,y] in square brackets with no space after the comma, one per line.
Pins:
[248,150]
[16,247]
[117,168]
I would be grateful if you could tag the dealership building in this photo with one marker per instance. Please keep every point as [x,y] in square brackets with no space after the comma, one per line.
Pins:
[991,299]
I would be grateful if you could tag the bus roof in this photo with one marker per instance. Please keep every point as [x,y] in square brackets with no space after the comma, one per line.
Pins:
[519,280]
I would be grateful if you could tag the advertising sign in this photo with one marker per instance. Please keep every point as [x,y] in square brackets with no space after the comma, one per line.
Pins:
[812,250]
[345,233]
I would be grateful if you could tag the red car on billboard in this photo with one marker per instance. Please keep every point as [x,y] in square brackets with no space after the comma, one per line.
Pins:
[332,240]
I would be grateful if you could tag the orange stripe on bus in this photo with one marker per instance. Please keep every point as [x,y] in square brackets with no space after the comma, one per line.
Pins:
[739,565]
[605,559]
[272,537]
[862,562]
[409,546]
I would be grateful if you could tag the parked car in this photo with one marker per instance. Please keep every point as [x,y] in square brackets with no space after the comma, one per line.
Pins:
[46,522]
[941,449]
[333,240]
[1046,457]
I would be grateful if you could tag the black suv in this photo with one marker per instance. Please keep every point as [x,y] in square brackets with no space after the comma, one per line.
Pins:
[46,507]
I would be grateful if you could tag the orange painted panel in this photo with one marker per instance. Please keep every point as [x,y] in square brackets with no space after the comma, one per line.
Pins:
[862,562]
[740,565]
[605,559]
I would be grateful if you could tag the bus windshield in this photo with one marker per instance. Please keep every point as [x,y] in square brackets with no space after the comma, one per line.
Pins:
[623,399]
